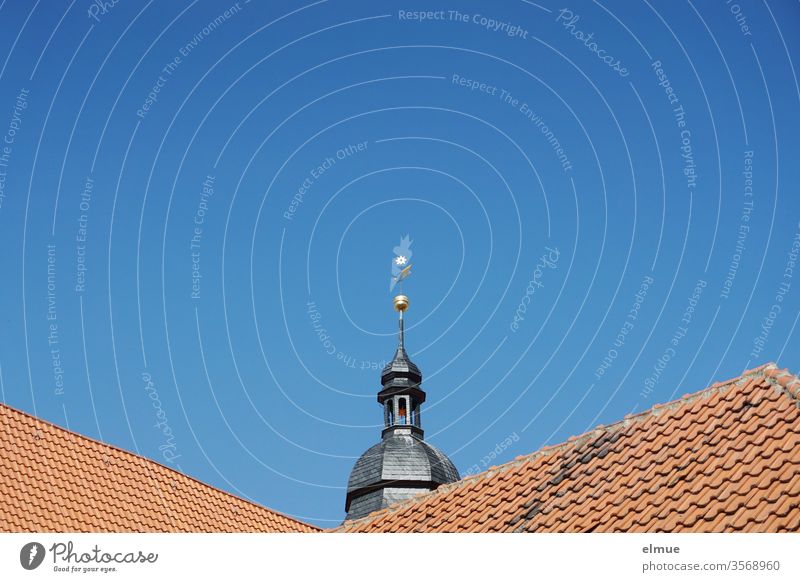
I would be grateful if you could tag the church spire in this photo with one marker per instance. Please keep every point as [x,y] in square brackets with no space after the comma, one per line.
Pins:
[401,304]
[402,464]
[401,395]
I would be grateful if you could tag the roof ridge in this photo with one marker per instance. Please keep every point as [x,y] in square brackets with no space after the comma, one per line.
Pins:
[783,379]
[148,460]
[769,371]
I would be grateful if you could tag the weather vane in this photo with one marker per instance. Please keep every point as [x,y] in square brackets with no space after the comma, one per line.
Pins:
[401,269]
[401,264]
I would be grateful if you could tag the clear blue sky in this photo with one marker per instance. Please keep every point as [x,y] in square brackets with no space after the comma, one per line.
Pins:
[198,210]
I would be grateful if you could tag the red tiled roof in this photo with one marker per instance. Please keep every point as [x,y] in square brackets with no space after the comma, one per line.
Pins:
[724,459]
[54,480]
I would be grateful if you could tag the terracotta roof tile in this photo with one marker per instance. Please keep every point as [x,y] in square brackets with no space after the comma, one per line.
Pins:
[52,479]
[723,459]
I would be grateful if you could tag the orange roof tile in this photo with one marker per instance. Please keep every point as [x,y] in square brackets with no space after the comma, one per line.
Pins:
[54,480]
[724,459]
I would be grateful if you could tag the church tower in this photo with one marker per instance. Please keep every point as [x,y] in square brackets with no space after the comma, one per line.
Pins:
[402,464]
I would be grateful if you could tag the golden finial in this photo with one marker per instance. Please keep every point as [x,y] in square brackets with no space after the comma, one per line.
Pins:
[401,303]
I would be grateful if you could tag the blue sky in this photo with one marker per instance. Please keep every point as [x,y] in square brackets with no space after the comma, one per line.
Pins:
[199,203]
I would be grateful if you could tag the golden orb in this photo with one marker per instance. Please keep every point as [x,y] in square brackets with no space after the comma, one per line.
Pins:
[401,303]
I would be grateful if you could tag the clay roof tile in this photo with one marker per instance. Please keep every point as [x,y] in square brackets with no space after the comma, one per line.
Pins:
[62,481]
[722,459]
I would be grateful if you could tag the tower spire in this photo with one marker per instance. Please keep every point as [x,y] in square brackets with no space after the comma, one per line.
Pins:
[402,464]
[400,305]
[401,395]
[401,334]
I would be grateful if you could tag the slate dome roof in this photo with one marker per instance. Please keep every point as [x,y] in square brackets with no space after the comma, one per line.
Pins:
[401,463]
[401,457]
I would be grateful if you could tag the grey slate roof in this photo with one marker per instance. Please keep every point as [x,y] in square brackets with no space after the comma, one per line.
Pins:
[411,463]
[380,499]
[402,457]
[400,366]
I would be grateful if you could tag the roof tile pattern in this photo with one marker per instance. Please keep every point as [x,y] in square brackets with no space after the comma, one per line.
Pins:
[721,460]
[53,480]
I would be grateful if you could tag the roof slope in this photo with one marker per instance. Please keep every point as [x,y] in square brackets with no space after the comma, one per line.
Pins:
[721,460]
[54,480]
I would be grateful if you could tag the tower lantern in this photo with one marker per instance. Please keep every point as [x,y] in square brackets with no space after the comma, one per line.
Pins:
[402,464]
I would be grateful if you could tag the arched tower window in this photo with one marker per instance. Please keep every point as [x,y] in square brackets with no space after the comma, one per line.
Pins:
[389,414]
[402,412]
